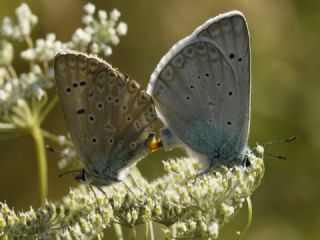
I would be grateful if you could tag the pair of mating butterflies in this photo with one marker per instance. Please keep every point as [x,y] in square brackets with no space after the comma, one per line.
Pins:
[200,90]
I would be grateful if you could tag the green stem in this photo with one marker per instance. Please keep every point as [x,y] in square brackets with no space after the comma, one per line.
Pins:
[150,224]
[146,233]
[173,231]
[42,162]
[48,108]
[118,231]
[246,228]
[133,233]
[11,71]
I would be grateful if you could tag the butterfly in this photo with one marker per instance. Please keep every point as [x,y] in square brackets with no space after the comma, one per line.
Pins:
[201,90]
[110,119]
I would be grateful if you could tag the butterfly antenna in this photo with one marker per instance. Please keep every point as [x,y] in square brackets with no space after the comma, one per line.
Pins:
[69,172]
[61,154]
[279,141]
[282,157]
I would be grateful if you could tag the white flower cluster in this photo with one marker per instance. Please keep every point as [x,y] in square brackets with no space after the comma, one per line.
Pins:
[196,206]
[96,37]
[45,49]
[26,20]
[100,33]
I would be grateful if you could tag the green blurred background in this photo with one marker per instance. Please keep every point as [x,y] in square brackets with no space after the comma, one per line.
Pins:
[285,41]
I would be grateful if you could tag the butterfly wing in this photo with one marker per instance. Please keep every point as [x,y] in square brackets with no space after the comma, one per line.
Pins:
[201,89]
[108,116]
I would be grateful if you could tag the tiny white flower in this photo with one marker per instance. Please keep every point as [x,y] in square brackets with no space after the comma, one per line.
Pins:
[62,139]
[115,14]
[7,26]
[6,52]
[87,19]
[122,28]
[3,95]
[102,14]
[89,8]
[107,51]
[260,149]
[213,229]
[28,55]
[82,36]
[94,48]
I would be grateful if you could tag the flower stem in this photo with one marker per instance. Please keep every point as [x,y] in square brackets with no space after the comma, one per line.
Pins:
[42,163]
[118,231]
[173,231]
[146,233]
[48,108]
[151,230]
[133,233]
[246,228]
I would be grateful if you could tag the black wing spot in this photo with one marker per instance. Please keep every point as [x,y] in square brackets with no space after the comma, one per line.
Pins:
[68,89]
[188,98]
[229,123]
[199,77]
[129,118]
[218,84]
[124,108]
[81,111]
[231,56]
[110,141]
[75,85]
[191,86]
[133,145]
[230,93]
[137,125]
[92,118]
[109,98]
[207,74]
[239,59]
[99,105]
[94,140]
[117,100]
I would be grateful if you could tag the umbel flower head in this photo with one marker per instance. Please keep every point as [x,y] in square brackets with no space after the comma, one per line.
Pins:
[196,206]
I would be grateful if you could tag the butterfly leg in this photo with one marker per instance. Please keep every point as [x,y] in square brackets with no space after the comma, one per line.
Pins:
[137,185]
